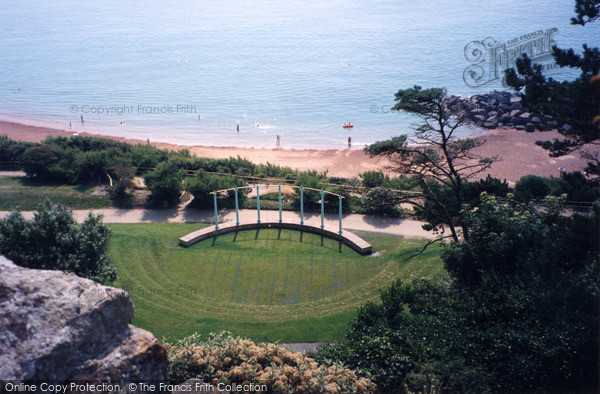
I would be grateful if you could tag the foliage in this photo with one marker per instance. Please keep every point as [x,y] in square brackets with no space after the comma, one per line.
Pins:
[225,358]
[575,186]
[573,104]
[520,314]
[586,11]
[381,200]
[11,150]
[39,161]
[438,200]
[121,195]
[372,179]
[312,198]
[531,187]
[435,159]
[165,183]
[203,184]
[53,240]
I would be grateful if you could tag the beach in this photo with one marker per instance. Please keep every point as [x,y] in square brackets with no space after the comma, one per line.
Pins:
[517,151]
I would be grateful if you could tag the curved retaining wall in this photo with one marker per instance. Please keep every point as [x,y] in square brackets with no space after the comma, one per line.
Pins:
[355,242]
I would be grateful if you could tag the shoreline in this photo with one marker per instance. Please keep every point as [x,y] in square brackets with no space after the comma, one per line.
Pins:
[517,150]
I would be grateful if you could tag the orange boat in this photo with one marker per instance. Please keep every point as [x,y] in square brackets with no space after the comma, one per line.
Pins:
[348,125]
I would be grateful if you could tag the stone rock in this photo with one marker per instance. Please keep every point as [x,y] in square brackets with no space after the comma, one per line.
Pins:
[479,111]
[515,99]
[567,128]
[530,127]
[546,118]
[452,101]
[58,326]
[515,113]
[522,119]
[480,118]
[514,106]
[525,115]
[504,118]
[520,127]
[490,125]
[535,119]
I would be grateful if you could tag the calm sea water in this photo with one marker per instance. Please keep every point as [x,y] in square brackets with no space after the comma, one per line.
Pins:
[298,69]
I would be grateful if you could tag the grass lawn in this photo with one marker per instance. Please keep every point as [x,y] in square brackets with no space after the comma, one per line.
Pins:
[25,194]
[268,285]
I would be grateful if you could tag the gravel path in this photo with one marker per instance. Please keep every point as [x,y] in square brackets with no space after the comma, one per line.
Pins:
[405,227]
[301,347]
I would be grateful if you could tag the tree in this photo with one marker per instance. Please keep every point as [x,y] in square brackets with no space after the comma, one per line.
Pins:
[531,187]
[53,240]
[165,183]
[38,161]
[575,105]
[521,311]
[586,11]
[203,184]
[438,160]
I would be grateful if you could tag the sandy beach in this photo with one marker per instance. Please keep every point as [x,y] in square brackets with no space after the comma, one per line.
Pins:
[517,150]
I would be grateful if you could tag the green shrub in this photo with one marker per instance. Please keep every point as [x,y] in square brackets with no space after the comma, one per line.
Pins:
[203,184]
[53,240]
[165,183]
[11,150]
[374,179]
[531,187]
[575,186]
[38,161]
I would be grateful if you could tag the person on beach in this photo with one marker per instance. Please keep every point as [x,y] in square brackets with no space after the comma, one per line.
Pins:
[349,142]
[81,119]
[70,126]
[278,143]
[238,128]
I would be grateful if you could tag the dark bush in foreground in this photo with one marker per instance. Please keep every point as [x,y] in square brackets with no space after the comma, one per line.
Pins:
[54,241]
[521,312]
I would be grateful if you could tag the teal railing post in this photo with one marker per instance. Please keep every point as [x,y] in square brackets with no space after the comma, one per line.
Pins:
[322,209]
[258,203]
[237,209]
[216,211]
[340,200]
[301,205]
[280,204]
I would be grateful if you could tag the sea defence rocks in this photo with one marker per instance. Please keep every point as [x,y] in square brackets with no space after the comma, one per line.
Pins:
[499,109]
[58,326]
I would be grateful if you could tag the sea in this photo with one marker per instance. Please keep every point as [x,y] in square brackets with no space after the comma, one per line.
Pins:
[191,72]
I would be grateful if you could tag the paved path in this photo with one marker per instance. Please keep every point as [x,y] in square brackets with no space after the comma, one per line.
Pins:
[404,227]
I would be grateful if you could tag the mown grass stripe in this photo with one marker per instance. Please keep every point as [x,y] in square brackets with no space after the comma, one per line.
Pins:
[277,307]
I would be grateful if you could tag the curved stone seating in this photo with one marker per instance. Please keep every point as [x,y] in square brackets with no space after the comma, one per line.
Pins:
[355,242]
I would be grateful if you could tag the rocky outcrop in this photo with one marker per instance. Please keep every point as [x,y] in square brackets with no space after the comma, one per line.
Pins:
[500,109]
[58,326]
